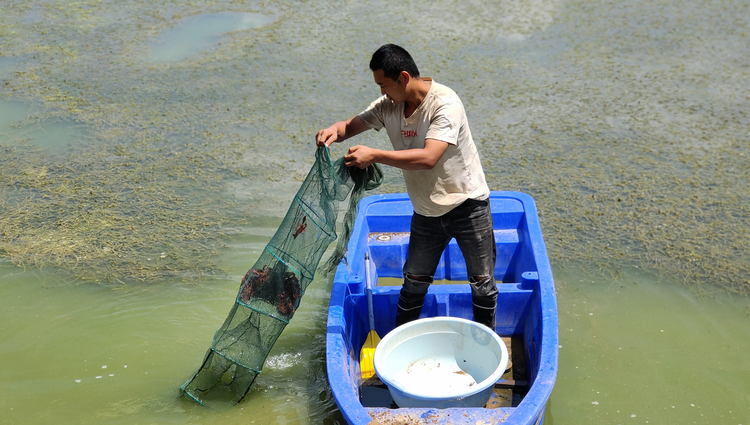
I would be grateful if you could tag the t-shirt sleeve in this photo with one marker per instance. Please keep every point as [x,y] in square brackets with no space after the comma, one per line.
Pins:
[373,115]
[446,123]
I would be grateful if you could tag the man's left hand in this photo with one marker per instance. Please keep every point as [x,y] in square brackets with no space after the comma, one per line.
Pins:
[360,156]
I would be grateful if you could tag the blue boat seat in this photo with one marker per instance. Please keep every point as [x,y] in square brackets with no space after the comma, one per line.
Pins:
[452,300]
[389,251]
[388,240]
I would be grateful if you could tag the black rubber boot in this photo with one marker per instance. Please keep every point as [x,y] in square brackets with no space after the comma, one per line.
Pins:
[409,308]
[484,310]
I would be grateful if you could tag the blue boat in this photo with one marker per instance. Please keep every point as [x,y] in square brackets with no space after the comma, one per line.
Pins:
[526,312]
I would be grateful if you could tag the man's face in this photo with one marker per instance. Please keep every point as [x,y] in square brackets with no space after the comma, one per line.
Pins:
[394,90]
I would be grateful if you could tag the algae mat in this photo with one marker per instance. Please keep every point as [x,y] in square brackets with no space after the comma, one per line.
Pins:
[627,122]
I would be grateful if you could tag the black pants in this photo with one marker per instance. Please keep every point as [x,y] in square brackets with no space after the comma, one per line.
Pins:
[471,225]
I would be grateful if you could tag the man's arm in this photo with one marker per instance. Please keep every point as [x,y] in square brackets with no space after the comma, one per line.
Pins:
[340,131]
[409,159]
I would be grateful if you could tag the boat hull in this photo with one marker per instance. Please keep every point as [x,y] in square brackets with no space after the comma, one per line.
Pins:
[526,310]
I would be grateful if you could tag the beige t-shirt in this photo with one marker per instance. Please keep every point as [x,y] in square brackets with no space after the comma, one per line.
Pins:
[458,175]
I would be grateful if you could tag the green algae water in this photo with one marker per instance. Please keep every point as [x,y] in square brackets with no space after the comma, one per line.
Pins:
[148,152]
[93,354]
[641,350]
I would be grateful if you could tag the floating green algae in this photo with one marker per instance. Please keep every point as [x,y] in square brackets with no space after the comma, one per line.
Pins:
[628,128]
[113,215]
[644,216]
[631,134]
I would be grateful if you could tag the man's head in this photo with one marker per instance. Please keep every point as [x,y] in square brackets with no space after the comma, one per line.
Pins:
[393,69]
[393,59]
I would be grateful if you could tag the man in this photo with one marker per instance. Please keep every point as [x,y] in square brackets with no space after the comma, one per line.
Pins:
[432,144]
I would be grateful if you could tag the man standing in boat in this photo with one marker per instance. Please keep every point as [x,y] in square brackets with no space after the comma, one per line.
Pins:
[427,125]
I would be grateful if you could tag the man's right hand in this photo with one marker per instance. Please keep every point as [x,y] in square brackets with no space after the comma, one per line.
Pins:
[327,136]
[340,131]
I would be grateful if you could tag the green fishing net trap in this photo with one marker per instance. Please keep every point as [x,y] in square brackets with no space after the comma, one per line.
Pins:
[272,289]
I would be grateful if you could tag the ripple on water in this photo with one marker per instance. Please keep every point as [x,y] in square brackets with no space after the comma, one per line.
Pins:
[283,361]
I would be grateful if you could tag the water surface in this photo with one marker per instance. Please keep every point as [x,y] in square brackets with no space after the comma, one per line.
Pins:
[22,123]
[198,33]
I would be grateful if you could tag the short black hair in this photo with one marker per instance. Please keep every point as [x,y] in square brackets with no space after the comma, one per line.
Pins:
[393,59]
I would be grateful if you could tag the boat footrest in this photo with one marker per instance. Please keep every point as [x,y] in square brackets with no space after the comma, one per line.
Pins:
[511,384]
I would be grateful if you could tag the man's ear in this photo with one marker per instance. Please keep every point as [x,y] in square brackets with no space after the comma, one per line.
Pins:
[405,77]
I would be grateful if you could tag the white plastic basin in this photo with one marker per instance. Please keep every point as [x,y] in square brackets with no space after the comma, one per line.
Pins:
[441,362]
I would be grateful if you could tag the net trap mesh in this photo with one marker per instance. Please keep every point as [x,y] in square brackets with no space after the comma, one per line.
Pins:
[272,289]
